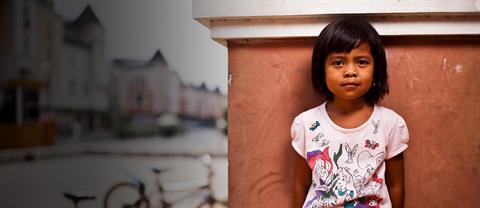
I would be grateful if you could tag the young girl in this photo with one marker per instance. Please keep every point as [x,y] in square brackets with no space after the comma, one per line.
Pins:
[352,145]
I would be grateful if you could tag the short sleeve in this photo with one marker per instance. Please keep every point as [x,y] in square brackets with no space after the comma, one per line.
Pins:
[298,136]
[398,138]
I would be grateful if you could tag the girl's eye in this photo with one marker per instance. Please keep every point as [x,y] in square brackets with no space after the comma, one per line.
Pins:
[337,63]
[362,62]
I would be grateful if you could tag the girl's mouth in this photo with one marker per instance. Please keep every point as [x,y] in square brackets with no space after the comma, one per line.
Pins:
[350,84]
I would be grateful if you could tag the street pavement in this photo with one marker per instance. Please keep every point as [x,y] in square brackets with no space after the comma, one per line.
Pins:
[37,177]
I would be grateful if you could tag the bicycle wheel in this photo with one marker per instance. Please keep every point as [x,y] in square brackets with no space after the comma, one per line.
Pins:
[214,205]
[125,195]
[211,202]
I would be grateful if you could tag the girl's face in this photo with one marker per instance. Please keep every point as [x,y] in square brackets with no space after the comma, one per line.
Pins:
[350,75]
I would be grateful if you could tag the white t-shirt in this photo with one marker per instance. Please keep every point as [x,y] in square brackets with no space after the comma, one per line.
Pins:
[348,165]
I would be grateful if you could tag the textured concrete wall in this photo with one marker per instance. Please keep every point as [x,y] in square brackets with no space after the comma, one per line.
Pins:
[434,86]
[269,86]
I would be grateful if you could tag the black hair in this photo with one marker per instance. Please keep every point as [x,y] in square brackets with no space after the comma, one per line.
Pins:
[341,36]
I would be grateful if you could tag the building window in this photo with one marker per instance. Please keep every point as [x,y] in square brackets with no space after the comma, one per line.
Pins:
[49,48]
[26,16]
[139,100]
[49,54]
[26,30]
[137,82]
[31,107]
[85,88]
[140,81]
[8,107]
[49,28]
[72,60]
[71,87]
[26,46]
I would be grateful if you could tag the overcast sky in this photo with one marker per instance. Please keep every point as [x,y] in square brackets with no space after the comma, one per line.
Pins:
[137,28]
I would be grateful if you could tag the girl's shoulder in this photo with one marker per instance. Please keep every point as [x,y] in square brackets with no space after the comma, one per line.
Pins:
[310,114]
[389,116]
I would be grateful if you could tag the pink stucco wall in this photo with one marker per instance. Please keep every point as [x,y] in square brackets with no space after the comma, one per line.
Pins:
[434,86]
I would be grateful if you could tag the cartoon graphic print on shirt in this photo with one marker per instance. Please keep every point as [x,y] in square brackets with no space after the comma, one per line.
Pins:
[350,153]
[334,181]
[314,126]
[327,189]
[367,162]
[375,126]
[344,179]
[324,143]
[356,178]
[367,202]
[319,139]
[321,163]
[364,159]
[371,144]
[322,159]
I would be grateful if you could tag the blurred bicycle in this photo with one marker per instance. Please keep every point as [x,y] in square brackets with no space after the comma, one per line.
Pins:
[133,194]
[76,198]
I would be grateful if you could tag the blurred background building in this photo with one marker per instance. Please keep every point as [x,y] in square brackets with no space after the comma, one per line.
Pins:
[90,95]
[31,45]
[145,86]
[79,90]
[56,82]
[144,91]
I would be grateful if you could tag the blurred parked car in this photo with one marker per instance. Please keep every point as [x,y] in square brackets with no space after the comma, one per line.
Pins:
[222,123]
[139,125]
[169,125]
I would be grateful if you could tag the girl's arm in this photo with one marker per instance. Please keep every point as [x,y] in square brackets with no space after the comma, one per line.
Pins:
[303,179]
[394,179]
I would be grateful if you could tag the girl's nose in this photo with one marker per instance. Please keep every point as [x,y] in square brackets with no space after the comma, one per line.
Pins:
[350,72]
